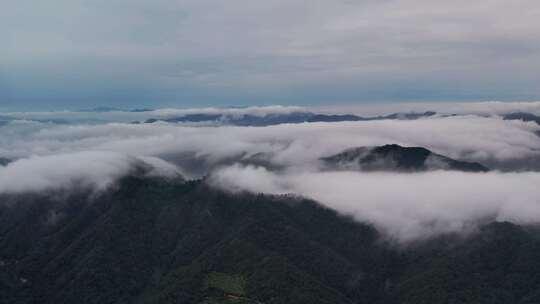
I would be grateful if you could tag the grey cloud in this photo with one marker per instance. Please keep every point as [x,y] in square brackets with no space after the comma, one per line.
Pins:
[290,51]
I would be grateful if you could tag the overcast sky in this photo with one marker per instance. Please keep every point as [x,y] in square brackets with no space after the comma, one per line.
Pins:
[79,54]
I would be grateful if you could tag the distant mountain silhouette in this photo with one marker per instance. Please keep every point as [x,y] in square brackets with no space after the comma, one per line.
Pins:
[397,158]
[405,116]
[334,118]
[4,161]
[141,110]
[522,116]
[101,109]
[276,119]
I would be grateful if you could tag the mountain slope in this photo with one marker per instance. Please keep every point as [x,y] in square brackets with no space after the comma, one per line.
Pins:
[494,265]
[276,119]
[396,158]
[155,241]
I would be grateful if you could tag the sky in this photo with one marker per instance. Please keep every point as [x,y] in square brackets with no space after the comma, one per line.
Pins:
[73,54]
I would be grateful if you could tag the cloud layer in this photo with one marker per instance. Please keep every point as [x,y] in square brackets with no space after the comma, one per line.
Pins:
[487,108]
[95,117]
[49,156]
[488,140]
[404,206]
[93,170]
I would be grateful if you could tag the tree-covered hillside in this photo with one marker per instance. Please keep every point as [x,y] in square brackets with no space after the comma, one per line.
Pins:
[156,241]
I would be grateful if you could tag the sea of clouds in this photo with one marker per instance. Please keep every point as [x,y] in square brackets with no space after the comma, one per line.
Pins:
[46,155]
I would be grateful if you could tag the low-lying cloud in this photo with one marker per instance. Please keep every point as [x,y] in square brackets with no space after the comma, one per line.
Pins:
[286,159]
[404,206]
[489,140]
[94,170]
[113,115]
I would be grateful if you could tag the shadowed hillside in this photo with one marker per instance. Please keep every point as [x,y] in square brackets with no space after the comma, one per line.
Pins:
[155,241]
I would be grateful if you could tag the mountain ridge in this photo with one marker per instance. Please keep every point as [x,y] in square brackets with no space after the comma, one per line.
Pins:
[393,157]
[153,241]
[276,119]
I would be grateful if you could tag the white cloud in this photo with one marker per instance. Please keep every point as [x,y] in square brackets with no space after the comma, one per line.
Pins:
[404,206]
[83,170]
[490,140]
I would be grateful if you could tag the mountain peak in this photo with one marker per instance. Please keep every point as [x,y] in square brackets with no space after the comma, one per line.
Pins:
[393,157]
[4,161]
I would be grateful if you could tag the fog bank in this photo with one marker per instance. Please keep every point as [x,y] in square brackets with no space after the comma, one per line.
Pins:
[408,206]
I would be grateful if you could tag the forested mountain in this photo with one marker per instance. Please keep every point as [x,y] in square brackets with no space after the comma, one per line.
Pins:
[397,158]
[162,241]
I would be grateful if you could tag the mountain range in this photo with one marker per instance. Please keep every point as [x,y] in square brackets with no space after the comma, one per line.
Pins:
[303,117]
[275,119]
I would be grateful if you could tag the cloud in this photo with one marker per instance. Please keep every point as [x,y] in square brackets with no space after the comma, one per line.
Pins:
[164,113]
[490,108]
[240,51]
[489,140]
[94,170]
[487,108]
[404,206]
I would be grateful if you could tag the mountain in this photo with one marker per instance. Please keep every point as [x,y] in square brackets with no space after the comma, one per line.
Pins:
[405,116]
[522,116]
[491,266]
[162,241]
[141,110]
[101,109]
[155,241]
[196,118]
[334,118]
[276,119]
[396,158]
[4,120]
[4,161]
[239,120]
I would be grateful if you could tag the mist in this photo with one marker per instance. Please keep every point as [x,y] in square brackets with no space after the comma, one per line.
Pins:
[404,206]
[286,158]
[488,140]
[93,170]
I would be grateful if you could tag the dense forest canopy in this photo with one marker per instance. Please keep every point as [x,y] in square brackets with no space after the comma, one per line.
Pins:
[151,240]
